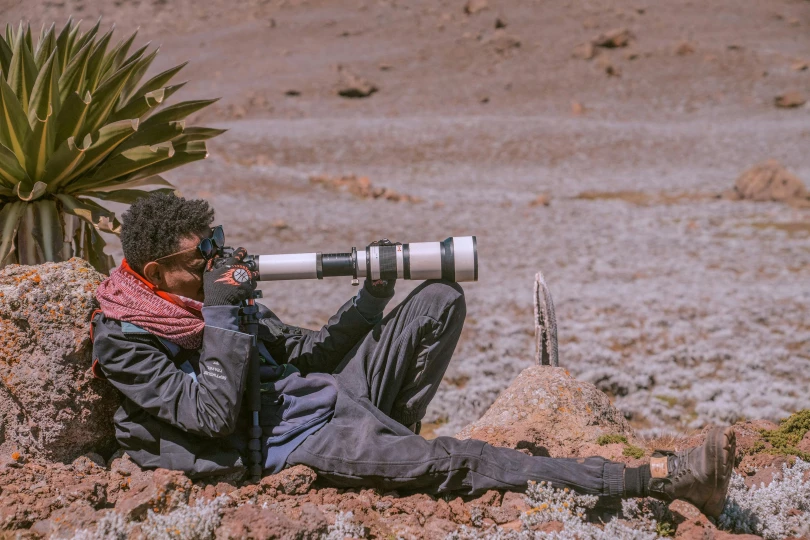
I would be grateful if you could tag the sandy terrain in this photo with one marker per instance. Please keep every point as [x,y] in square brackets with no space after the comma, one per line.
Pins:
[687,308]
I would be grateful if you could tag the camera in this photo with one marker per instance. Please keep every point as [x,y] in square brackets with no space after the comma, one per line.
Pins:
[453,259]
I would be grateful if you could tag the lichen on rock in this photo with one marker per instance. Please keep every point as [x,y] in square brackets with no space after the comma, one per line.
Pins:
[50,405]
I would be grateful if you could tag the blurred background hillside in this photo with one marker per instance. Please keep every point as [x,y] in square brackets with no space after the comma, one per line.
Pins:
[590,140]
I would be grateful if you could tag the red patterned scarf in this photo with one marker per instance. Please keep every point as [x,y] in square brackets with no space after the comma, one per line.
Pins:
[126,296]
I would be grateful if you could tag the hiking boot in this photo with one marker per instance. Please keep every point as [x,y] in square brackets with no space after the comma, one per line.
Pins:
[699,475]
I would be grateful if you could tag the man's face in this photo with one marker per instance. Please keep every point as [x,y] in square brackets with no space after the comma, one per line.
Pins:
[182,274]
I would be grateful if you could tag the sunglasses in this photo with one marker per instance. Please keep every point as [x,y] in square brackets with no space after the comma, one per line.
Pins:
[208,247]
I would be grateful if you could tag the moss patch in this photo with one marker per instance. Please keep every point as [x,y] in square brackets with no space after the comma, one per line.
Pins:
[784,439]
[633,451]
[603,440]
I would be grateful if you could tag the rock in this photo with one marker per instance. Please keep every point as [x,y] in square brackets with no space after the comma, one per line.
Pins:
[50,404]
[161,491]
[547,412]
[474,6]
[252,521]
[577,109]
[500,22]
[541,200]
[769,181]
[611,69]
[613,39]
[693,525]
[790,100]
[584,51]
[353,86]
[293,481]
[684,48]
[502,42]
[799,66]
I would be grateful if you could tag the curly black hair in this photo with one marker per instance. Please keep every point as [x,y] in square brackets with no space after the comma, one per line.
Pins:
[154,225]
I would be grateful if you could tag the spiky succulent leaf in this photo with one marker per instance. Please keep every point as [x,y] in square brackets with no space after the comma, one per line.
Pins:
[11,172]
[75,72]
[14,128]
[70,110]
[10,215]
[102,143]
[177,112]
[157,82]
[42,118]
[45,48]
[22,72]
[72,117]
[152,135]
[5,56]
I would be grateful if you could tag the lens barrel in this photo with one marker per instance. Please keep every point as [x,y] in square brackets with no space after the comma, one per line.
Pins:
[454,259]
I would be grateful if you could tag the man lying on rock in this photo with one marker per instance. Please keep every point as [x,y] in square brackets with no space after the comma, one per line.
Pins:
[345,400]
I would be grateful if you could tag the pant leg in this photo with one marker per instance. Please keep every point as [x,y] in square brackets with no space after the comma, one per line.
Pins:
[362,447]
[400,363]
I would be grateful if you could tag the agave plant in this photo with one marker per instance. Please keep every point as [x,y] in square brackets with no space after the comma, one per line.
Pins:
[78,127]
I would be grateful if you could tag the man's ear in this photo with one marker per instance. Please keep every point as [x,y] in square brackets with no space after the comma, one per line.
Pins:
[153,273]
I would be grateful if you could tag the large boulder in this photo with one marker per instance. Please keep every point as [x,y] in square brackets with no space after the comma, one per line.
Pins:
[50,405]
[545,411]
[769,181]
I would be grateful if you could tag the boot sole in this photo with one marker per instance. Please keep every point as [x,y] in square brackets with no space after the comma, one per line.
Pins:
[722,447]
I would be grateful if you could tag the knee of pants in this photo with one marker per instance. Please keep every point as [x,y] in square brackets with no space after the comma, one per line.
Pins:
[448,293]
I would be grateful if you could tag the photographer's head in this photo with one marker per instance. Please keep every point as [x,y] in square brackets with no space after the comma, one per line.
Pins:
[160,234]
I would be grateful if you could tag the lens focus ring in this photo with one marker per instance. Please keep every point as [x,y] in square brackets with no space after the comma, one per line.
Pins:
[388,262]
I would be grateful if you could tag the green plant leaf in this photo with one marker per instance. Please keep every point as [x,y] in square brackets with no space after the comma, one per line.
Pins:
[10,216]
[72,117]
[105,96]
[41,116]
[11,171]
[103,142]
[197,134]
[45,47]
[62,42]
[5,56]
[91,248]
[116,56]
[151,136]
[137,74]
[99,217]
[14,128]
[178,111]
[129,162]
[129,184]
[126,196]
[29,38]
[183,154]
[40,237]
[22,72]
[27,192]
[137,108]
[157,82]
[73,76]
[85,38]
[93,74]
[64,161]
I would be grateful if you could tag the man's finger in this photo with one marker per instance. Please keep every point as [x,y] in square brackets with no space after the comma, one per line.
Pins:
[239,254]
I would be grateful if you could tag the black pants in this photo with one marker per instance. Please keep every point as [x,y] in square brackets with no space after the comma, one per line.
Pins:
[386,382]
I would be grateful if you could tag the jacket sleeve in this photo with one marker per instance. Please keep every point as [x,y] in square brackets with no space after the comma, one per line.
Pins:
[149,378]
[321,351]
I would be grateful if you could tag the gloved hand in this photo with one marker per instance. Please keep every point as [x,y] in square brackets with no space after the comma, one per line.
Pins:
[228,281]
[381,288]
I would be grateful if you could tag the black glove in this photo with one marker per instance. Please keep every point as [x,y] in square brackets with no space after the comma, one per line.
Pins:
[381,288]
[228,281]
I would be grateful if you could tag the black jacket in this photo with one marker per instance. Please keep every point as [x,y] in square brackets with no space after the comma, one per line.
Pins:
[181,409]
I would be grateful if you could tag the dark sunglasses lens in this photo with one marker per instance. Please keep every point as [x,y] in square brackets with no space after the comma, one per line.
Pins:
[219,236]
[207,248]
